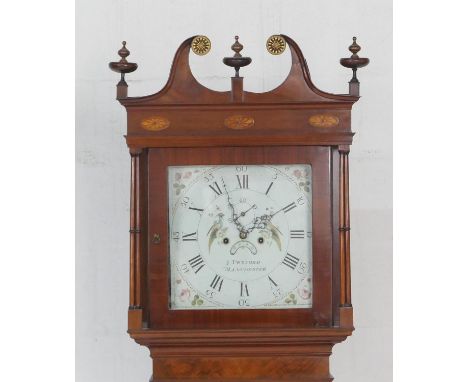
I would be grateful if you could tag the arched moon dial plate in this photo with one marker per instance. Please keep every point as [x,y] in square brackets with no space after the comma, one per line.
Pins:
[241,236]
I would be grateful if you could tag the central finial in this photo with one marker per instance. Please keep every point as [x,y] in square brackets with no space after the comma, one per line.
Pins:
[237,61]
[123,52]
[354,48]
[237,47]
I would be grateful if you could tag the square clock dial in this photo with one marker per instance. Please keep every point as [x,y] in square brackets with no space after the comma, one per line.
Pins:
[241,236]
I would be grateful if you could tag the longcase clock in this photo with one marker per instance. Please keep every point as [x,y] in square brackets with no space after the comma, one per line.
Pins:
[239,226]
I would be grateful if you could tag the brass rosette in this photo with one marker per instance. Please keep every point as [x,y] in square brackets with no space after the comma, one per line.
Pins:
[201,45]
[276,44]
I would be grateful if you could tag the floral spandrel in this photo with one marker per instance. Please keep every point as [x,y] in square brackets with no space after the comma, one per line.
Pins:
[180,179]
[301,294]
[186,297]
[291,299]
[197,300]
[304,290]
[302,177]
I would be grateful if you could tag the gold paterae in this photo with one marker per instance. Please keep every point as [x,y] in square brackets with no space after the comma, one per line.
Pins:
[323,120]
[201,45]
[276,44]
[155,123]
[239,122]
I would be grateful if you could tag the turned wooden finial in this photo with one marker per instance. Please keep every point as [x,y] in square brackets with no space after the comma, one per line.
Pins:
[237,61]
[122,67]
[237,47]
[354,48]
[354,62]
[123,52]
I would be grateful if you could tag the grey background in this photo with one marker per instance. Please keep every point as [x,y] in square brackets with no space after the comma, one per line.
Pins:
[154,29]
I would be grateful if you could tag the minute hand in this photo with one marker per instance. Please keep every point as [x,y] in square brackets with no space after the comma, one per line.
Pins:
[231,206]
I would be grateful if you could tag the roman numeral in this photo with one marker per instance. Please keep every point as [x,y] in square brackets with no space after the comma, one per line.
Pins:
[190,237]
[297,234]
[245,181]
[272,281]
[197,262]
[268,189]
[289,207]
[196,209]
[217,283]
[215,187]
[244,290]
[275,289]
[290,261]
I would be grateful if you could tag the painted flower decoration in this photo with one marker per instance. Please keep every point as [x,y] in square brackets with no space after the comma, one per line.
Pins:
[179,177]
[197,300]
[302,178]
[304,289]
[184,294]
[178,187]
[291,299]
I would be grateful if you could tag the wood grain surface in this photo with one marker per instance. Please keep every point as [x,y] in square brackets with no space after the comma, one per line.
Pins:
[188,124]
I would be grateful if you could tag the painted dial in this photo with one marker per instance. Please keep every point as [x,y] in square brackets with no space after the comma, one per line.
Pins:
[241,236]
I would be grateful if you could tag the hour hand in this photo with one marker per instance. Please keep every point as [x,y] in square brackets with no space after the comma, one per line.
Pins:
[245,212]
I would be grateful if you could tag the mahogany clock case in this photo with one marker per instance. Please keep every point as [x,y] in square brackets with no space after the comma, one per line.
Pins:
[188,124]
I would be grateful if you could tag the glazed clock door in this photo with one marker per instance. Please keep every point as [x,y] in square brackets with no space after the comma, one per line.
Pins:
[240,236]
[240,239]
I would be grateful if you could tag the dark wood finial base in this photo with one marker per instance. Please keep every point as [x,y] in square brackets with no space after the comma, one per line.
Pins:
[122,67]
[354,62]
[237,61]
